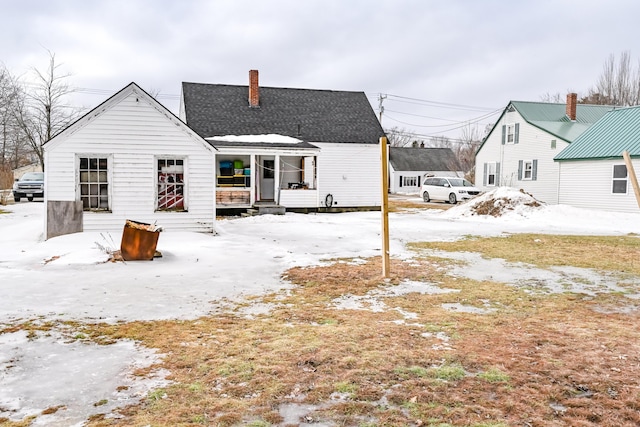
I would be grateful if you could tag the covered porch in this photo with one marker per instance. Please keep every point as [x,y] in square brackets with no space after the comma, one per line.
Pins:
[285,178]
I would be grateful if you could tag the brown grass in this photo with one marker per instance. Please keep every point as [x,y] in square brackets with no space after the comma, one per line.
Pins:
[538,360]
[401,205]
[617,253]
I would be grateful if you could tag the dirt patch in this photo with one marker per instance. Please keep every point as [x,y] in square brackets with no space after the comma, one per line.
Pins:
[496,206]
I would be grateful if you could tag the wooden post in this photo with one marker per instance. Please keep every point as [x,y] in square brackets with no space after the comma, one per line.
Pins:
[385,206]
[632,175]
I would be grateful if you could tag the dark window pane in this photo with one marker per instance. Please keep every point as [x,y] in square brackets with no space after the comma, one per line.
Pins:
[620,186]
[619,171]
[84,163]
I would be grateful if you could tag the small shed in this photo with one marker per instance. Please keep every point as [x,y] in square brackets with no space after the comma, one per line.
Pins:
[128,158]
[409,166]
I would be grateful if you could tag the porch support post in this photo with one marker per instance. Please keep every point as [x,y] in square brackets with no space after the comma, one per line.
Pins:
[276,180]
[253,179]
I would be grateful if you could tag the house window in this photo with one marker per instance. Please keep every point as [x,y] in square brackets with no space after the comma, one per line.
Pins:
[491,173]
[409,181]
[170,184]
[527,169]
[268,169]
[553,144]
[94,183]
[619,185]
[511,134]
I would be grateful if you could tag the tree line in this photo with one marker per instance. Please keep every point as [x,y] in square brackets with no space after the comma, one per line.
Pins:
[33,109]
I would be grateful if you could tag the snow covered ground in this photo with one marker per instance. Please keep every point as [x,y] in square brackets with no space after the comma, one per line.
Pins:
[68,278]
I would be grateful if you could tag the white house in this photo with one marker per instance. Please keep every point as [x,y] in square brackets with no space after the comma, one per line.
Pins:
[302,149]
[519,151]
[592,171]
[409,166]
[128,158]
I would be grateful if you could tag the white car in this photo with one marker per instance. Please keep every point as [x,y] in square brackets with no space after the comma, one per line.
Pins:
[447,189]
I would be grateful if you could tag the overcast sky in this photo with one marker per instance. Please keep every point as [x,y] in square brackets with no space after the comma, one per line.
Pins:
[440,63]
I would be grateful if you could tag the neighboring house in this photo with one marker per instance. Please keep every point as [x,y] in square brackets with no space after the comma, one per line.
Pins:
[593,173]
[297,148]
[128,158]
[409,166]
[519,150]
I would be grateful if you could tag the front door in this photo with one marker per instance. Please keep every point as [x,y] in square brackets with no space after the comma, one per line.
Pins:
[267,174]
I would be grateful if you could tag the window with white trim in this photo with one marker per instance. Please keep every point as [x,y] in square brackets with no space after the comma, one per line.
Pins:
[527,169]
[619,184]
[93,179]
[170,184]
[410,181]
[491,173]
[511,134]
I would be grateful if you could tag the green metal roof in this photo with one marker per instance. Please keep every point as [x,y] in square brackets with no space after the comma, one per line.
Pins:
[617,131]
[546,112]
[552,118]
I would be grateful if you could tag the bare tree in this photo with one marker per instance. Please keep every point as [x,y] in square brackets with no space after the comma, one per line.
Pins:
[618,84]
[465,151]
[402,138]
[439,141]
[13,147]
[44,111]
[556,98]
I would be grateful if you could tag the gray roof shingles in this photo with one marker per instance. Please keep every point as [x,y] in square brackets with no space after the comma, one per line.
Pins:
[423,159]
[305,114]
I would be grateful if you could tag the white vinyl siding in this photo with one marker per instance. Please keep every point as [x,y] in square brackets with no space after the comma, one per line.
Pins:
[532,144]
[350,173]
[134,134]
[588,184]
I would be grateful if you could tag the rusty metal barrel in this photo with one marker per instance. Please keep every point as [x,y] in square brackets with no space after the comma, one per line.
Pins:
[139,241]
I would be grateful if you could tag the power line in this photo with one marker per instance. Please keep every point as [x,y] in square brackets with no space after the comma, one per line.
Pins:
[439,104]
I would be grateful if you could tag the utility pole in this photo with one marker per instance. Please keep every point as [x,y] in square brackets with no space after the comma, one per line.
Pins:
[381,98]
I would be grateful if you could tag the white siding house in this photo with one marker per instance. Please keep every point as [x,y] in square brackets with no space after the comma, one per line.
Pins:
[592,170]
[409,166]
[129,158]
[519,150]
[300,149]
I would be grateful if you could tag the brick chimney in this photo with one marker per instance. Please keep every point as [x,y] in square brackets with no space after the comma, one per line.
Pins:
[572,100]
[254,89]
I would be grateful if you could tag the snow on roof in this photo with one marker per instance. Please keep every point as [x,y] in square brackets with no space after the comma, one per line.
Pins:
[267,138]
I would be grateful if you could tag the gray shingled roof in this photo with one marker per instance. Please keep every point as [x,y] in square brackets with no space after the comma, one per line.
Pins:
[423,159]
[306,114]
